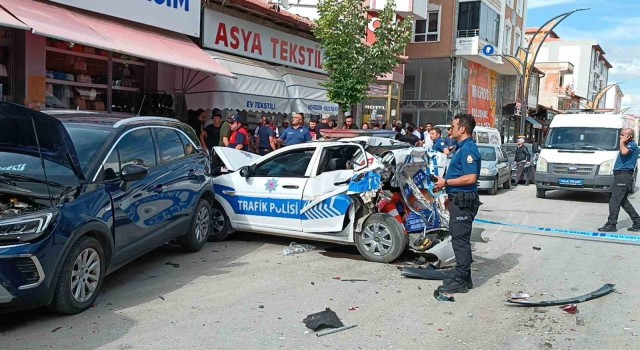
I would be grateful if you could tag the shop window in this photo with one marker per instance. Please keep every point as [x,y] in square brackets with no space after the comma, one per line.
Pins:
[427,30]
[80,77]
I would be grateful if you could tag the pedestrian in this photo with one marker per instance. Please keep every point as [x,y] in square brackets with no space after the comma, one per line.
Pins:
[376,126]
[365,126]
[324,124]
[266,140]
[438,143]
[212,132]
[225,131]
[522,159]
[313,125]
[398,128]
[349,124]
[460,183]
[238,134]
[283,125]
[623,171]
[410,137]
[296,133]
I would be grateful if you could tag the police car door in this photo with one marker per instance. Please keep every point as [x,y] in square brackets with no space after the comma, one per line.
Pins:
[325,207]
[270,197]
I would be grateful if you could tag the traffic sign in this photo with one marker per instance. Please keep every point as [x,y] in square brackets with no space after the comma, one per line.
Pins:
[488,50]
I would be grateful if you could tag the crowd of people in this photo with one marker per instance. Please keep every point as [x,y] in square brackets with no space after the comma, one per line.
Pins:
[214,130]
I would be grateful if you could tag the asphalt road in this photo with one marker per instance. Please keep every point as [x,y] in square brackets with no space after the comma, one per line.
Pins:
[244,294]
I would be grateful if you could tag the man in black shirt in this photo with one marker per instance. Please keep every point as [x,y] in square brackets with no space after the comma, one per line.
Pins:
[322,125]
[522,158]
[213,132]
[409,137]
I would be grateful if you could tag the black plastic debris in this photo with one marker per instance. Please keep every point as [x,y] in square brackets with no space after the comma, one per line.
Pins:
[176,265]
[602,291]
[537,248]
[323,319]
[353,280]
[440,296]
[427,274]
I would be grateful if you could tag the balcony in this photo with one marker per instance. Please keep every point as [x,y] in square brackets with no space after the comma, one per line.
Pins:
[404,8]
[468,33]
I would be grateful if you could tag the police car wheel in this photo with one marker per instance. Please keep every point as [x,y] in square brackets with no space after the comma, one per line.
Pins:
[382,238]
[220,226]
[200,228]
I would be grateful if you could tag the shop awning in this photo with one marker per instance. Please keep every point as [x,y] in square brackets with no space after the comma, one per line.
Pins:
[258,87]
[536,124]
[114,35]
[306,93]
[7,20]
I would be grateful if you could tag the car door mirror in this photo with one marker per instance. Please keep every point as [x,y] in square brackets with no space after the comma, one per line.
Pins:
[132,172]
[245,171]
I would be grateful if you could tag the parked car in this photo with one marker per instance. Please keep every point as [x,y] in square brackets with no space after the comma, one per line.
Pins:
[335,191]
[495,168]
[82,194]
[530,171]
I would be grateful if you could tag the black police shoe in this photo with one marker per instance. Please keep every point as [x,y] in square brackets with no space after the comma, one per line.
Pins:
[635,227]
[608,228]
[454,285]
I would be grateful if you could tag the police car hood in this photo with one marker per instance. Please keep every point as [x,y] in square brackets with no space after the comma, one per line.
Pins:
[49,140]
[234,159]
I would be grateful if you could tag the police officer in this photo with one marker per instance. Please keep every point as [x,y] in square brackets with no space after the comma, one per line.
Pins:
[460,182]
[622,183]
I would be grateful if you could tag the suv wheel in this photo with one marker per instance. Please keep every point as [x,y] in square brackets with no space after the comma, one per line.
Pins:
[382,238]
[81,277]
[200,228]
[220,226]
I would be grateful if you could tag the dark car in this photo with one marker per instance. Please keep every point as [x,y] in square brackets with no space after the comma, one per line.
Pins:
[83,194]
[529,171]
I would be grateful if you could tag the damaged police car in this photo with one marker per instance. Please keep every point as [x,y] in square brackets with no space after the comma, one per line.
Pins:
[82,194]
[335,191]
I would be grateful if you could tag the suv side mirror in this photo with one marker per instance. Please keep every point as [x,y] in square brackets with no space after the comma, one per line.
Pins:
[245,171]
[132,172]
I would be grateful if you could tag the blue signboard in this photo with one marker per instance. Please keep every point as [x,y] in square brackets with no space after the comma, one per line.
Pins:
[488,50]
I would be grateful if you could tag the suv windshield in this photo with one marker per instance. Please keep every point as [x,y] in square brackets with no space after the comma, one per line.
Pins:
[583,139]
[17,169]
[487,153]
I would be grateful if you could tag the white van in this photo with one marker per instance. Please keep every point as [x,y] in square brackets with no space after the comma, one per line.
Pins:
[580,151]
[481,134]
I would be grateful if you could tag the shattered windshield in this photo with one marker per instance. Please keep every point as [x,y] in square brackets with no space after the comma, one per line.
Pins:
[580,138]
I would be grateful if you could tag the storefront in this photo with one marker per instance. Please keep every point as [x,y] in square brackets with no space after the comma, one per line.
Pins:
[68,58]
[276,72]
[382,103]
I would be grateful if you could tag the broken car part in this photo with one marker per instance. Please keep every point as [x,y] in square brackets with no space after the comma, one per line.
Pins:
[427,274]
[323,319]
[335,330]
[441,296]
[602,291]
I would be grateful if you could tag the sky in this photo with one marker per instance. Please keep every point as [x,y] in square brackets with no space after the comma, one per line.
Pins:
[615,24]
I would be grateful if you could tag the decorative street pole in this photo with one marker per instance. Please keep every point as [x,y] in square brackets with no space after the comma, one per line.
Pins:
[525,59]
[598,97]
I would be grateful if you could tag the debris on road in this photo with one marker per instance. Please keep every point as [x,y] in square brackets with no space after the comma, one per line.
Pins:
[427,274]
[337,278]
[260,306]
[570,309]
[295,248]
[602,291]
[56,329]
[354,308]
[335,330]
[440,296]
[354,280]
[323,319]
[519,295]
[176,265]
[536,248]
[161,297]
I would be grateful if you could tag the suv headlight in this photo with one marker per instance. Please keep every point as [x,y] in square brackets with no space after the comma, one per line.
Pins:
[542,165]
[25,227]
[606,168]
[485,171]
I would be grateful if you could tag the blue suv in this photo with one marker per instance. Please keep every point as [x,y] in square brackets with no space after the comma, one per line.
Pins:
[82,194]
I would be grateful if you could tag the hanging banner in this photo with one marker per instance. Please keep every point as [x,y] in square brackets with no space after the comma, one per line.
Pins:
[482,94]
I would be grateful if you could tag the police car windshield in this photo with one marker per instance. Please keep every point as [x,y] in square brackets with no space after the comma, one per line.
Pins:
[583,138]
[487,153]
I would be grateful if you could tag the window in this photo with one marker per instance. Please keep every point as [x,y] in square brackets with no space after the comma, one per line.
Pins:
[469,16]
[290,164]
[340,158]
[169,144]
[520,9]
[506,47]
[517,41]
[487,153]
[477,19]
[136,147]
[188,145]
[427,30]
[87,142]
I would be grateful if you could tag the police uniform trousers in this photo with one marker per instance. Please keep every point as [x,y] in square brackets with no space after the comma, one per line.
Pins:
[460,224]
[622,184]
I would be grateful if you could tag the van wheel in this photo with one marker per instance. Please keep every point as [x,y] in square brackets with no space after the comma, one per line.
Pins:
[382,238]
[81,277]
[200,228]
[220,225]
[540,193]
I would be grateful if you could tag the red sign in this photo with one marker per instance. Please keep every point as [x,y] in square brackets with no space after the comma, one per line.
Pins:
[481,94]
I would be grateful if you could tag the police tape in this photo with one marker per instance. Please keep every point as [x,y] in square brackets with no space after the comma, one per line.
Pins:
[584,234]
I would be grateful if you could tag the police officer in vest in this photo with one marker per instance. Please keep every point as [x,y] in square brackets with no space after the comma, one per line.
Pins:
[622,182]
[460,183]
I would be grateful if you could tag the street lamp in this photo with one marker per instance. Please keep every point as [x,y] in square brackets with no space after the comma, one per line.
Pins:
[524,61]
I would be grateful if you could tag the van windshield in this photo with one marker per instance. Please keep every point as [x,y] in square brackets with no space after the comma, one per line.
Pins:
[598,139]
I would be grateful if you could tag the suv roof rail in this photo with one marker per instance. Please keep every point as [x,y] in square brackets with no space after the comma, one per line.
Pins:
[133,120]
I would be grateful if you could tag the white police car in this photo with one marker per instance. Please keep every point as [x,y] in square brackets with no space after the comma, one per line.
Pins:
[333,191]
